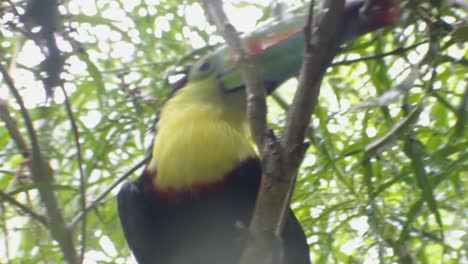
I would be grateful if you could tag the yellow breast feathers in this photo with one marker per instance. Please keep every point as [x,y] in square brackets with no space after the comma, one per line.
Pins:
[202,135]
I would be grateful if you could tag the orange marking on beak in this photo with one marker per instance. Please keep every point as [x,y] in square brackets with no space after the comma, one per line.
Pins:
[259,45]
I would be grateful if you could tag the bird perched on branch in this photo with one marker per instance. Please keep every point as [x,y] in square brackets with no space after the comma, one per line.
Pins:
[194,200]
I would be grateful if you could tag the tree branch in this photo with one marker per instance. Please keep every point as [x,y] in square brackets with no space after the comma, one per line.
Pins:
[12,127]
[42,175]
[40,218]
[396,51]
[281,160]
[103,195]
[256,103]
[264,237]
[83,179]
[320,47]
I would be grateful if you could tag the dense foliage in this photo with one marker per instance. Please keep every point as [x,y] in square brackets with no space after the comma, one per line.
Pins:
[385,178]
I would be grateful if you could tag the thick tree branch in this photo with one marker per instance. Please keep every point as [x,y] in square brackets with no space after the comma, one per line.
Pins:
[321,46]
[281,161]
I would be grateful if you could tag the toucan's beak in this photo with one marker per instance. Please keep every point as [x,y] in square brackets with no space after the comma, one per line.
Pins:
[277,50]
[277,47]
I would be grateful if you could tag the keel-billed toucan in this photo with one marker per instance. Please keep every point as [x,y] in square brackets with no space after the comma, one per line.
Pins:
[194,200]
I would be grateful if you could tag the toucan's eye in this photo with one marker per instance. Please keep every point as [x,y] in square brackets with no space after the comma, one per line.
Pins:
[204,66]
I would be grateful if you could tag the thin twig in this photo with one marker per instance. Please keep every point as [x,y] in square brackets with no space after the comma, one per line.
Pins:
[98,200]
[83,180]
[11,172]
[6,234]
[13,7]
[40,218]
[396,51]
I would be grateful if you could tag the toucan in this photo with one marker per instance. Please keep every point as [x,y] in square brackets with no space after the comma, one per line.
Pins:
[196,196]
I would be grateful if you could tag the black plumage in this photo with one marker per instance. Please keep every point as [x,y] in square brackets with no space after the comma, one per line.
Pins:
[199,228]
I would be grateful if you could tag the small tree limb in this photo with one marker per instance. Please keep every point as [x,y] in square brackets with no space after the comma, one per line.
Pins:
[281,160]
[321,47]
[103,195]
[256,103]
[83,178]
[25,209]
[12,126]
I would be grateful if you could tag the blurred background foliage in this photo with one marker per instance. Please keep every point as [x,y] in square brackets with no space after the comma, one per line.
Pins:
[385,178]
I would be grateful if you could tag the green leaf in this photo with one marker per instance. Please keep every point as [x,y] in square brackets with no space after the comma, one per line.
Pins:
[460,35]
